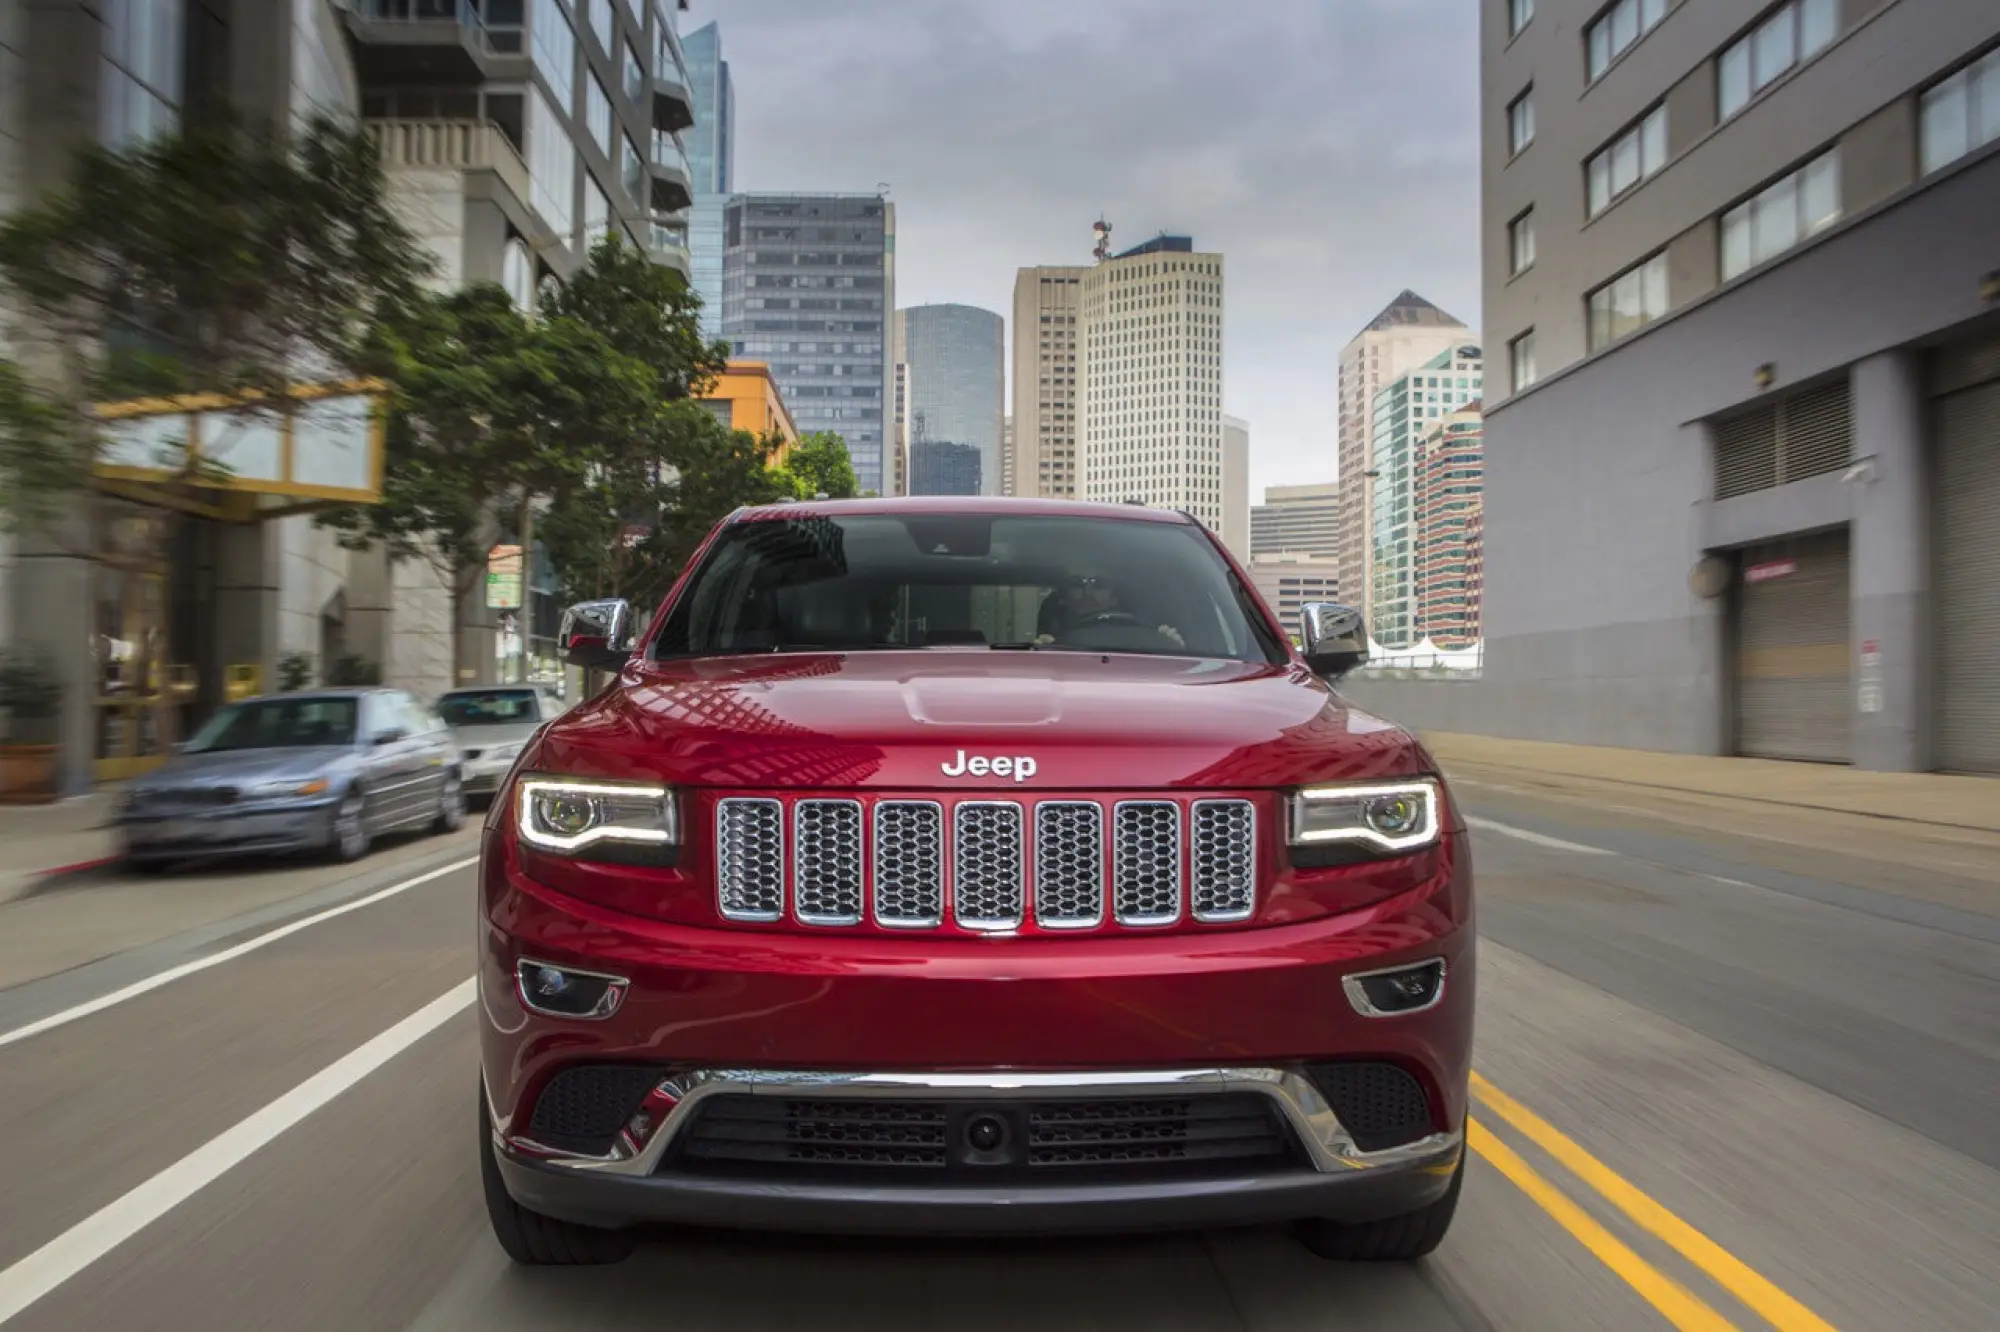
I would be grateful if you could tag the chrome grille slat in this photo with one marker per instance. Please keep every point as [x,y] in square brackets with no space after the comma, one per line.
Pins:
[909,864]
[750,858]
[826,862]
[1146,862]
[988,867]
[1223,867]
[1069,864]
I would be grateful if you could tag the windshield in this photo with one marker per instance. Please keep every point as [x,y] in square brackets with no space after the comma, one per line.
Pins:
[965,580]
[490,707]
[278,723]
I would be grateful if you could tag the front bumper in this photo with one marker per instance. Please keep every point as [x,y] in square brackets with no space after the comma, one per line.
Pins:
[638,1181]
[228,831]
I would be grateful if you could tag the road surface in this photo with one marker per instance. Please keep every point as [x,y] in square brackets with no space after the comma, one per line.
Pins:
[1736,1069]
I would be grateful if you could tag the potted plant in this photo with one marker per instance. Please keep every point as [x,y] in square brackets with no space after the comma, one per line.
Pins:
[31,699]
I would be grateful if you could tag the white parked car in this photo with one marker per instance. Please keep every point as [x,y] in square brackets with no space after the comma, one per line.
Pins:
[491,723]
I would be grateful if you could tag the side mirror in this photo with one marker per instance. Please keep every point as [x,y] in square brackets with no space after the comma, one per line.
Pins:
[597,635]
[1333,638]
[390,735]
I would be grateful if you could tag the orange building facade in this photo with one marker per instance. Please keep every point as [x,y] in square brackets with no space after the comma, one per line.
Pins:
[746,397]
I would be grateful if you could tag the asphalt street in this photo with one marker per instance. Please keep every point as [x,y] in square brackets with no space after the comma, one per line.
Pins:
[1737,1068]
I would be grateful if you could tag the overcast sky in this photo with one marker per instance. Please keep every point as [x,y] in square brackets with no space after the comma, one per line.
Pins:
[1327,148]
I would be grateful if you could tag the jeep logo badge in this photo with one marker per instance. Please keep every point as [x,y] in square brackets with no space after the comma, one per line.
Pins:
[1019,766]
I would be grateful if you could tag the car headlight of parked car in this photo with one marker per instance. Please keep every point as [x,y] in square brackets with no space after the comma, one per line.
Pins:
[1365,821]
[597,820]
[282,790]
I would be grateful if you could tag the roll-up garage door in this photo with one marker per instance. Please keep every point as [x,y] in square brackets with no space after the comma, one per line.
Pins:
[1968,563]
[1792,695]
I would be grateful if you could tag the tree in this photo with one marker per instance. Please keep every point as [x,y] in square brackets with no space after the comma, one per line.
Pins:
[820,464]
[222,259]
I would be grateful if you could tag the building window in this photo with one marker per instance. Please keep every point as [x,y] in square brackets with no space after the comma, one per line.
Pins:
[1628,159]
[1629,302]
[1521,242]
[555,51]
[551,165]
[1961,114]
[1783,214]
[142,70]
[517,275]
[1521,122]
[1518,14]
[1521,354]
[635,74]
[596,211]
[632,172]
[1613,32]
[604,25]
[597,108]
[1789,34]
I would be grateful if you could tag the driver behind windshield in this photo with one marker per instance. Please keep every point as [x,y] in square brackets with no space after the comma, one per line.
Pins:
[1084,599]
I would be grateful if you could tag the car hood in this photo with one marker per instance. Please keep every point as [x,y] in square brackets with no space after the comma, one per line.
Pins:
[493,737]
[244,767]
[899,720]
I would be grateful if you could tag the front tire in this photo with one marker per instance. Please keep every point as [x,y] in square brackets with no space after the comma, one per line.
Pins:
[451,805]
[534,1240]
[1394,1239]
[349,838]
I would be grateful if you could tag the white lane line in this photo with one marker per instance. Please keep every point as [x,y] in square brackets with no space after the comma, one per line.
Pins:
[1733,883]
[172,974]
[111,1225]
[1553,843]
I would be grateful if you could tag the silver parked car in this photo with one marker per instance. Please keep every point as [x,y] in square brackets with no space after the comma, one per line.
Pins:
[329,770]
[491,724]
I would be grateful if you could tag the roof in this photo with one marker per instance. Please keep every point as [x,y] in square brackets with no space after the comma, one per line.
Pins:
[1160,245]
[996,505]
[1408,309]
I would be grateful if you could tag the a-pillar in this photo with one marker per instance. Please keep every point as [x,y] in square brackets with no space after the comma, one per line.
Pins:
[1891,585]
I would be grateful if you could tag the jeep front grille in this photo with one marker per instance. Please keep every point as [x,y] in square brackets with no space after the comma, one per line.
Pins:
[986,864]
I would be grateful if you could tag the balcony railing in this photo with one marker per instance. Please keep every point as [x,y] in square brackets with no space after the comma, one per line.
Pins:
[499,39]
[461,144]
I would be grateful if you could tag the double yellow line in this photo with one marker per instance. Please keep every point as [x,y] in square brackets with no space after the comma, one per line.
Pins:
[1680,1306]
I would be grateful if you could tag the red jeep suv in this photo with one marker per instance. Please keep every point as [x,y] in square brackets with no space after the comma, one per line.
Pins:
[972,866]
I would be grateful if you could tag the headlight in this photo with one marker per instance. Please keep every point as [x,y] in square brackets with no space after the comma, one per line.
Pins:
[280,790]
[1377,817]
[565,816]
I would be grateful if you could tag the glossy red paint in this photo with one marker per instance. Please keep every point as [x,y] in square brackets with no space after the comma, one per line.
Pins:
[706,992]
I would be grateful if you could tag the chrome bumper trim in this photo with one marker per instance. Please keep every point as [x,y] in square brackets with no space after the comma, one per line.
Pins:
[1329,1145]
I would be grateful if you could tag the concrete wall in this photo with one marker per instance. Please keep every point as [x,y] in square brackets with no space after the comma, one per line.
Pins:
[1597,485]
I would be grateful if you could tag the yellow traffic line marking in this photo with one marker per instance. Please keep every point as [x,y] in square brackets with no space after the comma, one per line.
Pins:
[1773,1305]
[1680,1306]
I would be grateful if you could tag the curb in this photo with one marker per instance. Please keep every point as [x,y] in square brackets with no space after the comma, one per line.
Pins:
[30,882]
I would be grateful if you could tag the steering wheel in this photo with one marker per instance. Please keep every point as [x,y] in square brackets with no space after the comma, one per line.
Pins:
[1107,617]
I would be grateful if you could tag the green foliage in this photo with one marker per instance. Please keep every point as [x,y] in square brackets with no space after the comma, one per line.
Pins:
[295,672]
[820,464]
[218,259]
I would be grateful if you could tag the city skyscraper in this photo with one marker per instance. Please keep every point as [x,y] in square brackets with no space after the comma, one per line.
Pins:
[1304,520]
[1407,411]
[1151,343]
[1235,529]
[1046,301]
[1450,511]
[711,146]
[953,385]
[1408,332]
[808,284]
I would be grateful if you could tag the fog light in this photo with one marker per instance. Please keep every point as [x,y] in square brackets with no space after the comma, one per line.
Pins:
[555,991]
[1395,991]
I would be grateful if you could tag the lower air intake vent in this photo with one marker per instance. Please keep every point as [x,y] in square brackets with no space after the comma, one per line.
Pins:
[1381,1105]
[581,1109]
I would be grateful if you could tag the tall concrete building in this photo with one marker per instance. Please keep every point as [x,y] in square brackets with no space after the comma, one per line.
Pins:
[1449,529]
[1235,529]
[1151,343]
[1408,332]
[952,373]
[1288,581]
[1300,520]
[1743,460]
[1008,484]
[1405,412]
[808,286]
[711,145]
[1046,304]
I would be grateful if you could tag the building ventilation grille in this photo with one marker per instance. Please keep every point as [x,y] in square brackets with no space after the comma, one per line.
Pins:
[1806,435]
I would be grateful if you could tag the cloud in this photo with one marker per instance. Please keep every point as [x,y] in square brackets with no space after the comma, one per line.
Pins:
[1328,149]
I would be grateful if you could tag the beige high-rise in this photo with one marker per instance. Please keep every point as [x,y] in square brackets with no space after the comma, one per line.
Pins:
[1046,302]
[1152,380]
[1404,336]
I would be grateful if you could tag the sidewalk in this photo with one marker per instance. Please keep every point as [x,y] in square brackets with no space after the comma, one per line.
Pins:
[37,841]
[1971,803]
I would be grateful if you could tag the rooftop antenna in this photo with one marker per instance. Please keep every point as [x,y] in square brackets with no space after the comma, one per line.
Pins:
[1101,232]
